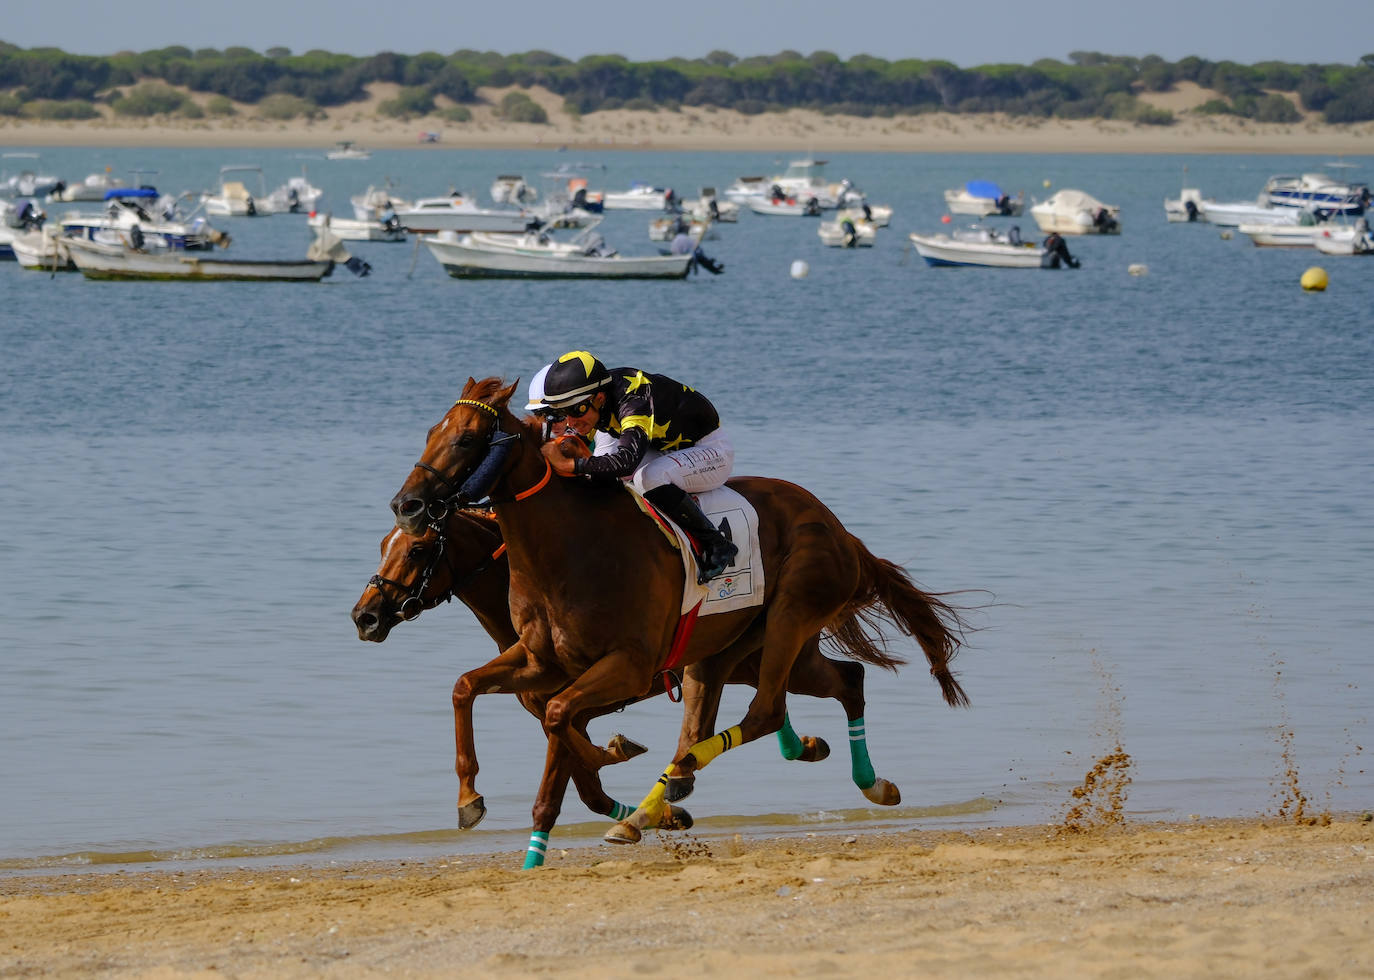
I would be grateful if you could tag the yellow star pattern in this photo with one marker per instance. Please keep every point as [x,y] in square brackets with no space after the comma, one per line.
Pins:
[637,381]
[677,442]
[657,431]
[580,355]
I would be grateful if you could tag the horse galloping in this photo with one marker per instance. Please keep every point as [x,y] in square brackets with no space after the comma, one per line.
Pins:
[594,621]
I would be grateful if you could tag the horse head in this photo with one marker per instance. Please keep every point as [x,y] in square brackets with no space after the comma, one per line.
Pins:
[465,455]
[411,577]
[420,571]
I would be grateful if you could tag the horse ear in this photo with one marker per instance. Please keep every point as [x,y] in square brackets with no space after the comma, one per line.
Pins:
[467,388]
[503,397]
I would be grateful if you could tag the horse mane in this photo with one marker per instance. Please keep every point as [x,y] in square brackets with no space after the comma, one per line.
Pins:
[482,390]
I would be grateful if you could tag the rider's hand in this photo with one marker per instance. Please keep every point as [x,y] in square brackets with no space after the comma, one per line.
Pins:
[562,454]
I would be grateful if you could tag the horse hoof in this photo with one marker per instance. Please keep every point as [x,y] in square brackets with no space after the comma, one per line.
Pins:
[675,818]
[678,788]
[883,793]
[624,748]
[814,749]
[623,833]
[471,814]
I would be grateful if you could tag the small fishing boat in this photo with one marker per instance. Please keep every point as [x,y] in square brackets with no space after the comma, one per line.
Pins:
[790,207]
[512,189]
[1188,206]
[847,233]
[459,213]
[980,248]
[346,150]
[97,260]
[235,199]
[353,230]
[983,198]
[1072,212]
[536,255]
[640,197]
[43,250]
[1303,232]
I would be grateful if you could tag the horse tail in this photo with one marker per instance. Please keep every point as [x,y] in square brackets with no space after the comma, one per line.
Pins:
[887,595]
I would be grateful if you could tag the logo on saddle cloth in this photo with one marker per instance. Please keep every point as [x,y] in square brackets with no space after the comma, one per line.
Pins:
[741,585]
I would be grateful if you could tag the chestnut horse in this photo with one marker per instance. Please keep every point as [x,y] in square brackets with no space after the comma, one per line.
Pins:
[595,591]
[462,557]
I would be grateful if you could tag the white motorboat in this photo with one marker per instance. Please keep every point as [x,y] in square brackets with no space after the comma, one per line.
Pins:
[460,213]
[296,196]
[535,255]
[92,188]
[983,198]
[512,189]
[786,206]
[43,250]
[1072,212]
[983,247]
[1230,214]
[376,203]
[346,150]
[354,230]
[802,179]
[877,215]
[708,207]
[665,229]
[847,233]
[26,183]
[1188,206]
[235,199]
[100,261]
[640,197]
[1316,190]
[1354,239]
[139,217]
[1302,233]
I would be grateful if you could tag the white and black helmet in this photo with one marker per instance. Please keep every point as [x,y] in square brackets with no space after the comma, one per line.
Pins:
[571,379]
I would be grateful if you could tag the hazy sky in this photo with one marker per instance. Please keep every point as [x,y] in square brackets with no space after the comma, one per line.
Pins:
[966,33]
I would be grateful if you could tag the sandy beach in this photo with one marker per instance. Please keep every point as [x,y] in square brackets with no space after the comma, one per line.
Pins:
[707,128]
[1242,898]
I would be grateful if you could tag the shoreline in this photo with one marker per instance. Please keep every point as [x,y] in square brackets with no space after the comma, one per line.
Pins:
[1253,897]
[796,131]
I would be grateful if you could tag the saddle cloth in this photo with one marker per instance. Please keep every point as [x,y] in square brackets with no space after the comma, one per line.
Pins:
[741,585]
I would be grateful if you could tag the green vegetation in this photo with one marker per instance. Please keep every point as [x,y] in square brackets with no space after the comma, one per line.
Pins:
[519,107]
[456,114]
[150,99]
[219,105]
[282,107]
[1088,84]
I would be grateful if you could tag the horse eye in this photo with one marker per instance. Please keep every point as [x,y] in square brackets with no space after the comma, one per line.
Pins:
[466,439]
[416,551]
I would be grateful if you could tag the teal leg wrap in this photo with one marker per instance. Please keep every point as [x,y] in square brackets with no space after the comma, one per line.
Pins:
[788,743]
[861,767]
[619,811]
[539,845]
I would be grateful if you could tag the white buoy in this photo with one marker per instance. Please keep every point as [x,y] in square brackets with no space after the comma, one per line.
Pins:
[1138,269]
[800,269]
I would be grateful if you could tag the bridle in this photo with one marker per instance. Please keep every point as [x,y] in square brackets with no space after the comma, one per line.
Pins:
[414,602]
[474,491]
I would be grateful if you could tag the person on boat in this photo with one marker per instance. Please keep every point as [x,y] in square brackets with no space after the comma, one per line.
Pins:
[1057,252]
[659,435]
[684,244]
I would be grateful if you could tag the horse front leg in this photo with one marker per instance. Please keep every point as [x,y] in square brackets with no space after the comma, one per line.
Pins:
[513,671]
[613,680]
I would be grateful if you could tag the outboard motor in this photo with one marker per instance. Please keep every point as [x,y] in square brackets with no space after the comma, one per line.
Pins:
[1191,208]
[293,201]
[813,208]
[851,234]
[136,238]
[252,208]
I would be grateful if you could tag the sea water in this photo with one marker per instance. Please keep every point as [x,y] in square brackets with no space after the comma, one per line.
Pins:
[1153,490]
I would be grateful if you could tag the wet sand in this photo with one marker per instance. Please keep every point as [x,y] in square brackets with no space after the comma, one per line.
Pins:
[1243,898]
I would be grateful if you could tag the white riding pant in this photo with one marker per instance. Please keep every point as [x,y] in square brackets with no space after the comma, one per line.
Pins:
[695,469]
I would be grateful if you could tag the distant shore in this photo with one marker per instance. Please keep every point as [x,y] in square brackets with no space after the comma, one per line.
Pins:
[706,128]
[1250,898]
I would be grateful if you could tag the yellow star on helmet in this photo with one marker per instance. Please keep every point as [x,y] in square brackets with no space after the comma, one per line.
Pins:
[581,355]
[636,380]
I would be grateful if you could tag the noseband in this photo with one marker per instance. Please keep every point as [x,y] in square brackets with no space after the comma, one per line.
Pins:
[414,602]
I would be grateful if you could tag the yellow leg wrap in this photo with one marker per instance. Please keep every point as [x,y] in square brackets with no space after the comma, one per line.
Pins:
[705,751]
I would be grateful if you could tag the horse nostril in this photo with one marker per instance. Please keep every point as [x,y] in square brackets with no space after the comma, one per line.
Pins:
[365,620]
[411,507]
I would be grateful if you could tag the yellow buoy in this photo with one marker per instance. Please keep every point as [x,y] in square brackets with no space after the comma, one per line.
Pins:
[1314,279]
[1047,182]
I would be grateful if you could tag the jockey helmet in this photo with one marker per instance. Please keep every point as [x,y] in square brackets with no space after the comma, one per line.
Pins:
[571,379]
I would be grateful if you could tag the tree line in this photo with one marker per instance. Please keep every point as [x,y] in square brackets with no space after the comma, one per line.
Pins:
[51,82]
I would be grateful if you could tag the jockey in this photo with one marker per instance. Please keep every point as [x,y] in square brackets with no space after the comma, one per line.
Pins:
[659,435]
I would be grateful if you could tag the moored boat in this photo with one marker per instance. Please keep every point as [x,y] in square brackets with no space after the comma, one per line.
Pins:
[535,255]
[981,248]
[459,213]
[847,233]
[115,262]
[353,230]
[983,198]
[1073,212]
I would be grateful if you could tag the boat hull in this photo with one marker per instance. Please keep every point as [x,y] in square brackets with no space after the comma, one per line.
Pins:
[940,250]
[464,262]
[104,262]
[432,221]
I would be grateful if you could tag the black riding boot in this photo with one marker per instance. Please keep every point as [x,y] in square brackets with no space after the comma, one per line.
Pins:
[717,550]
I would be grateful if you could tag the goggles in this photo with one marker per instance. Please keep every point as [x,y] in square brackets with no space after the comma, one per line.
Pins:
[573,411]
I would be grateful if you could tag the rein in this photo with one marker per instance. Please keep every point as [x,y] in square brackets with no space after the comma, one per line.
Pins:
[414,603]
